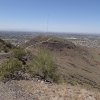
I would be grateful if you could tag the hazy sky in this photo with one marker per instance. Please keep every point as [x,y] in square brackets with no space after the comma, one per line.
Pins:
[56,15]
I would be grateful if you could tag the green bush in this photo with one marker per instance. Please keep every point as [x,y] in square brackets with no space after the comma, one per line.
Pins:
[8,68]
[9,45]
[19,53]
[5,46]
[44,66]
[5,49]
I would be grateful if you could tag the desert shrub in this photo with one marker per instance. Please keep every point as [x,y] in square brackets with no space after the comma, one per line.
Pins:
[44,66]
[5,46]
[2,41]
[5,49]
[19,53]
[9,45]
[8,68]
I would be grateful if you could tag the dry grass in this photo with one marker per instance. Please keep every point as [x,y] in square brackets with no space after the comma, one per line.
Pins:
[44,66]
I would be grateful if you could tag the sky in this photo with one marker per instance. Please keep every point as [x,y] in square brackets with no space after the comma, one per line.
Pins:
[81,16]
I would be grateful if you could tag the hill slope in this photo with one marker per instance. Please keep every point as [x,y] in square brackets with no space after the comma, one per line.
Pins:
[76,64]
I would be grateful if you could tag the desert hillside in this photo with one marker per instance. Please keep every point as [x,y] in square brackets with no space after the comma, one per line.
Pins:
[77,64]
[50,68]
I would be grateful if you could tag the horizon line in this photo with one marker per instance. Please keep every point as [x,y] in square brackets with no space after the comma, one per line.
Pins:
[49,32]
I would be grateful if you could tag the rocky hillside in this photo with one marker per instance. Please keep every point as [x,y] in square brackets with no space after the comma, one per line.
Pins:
[76,64]
[50,42]
[78,68]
